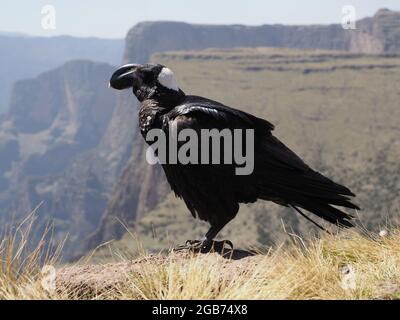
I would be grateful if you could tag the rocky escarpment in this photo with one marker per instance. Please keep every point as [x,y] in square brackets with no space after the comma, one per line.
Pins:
[55,121]
[25,57]
[378,34]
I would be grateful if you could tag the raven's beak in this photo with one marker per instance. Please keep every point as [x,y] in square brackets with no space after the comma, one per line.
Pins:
[125,77]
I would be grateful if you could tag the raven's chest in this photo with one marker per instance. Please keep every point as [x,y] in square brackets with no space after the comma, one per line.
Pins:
[148,119]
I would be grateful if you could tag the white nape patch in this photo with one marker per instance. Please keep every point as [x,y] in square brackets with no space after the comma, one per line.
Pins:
[167,79]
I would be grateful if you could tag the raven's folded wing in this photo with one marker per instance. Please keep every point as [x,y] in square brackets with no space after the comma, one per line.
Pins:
[201,113]
[279,174]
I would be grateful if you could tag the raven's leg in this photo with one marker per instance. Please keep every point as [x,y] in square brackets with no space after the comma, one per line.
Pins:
[207,243]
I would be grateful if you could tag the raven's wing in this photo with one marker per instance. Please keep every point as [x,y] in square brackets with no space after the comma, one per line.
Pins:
[218,111]
[201,113]
[279,174]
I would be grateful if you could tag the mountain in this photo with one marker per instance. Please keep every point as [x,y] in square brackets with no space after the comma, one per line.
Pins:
[25,56]
[377,34]
[46,139]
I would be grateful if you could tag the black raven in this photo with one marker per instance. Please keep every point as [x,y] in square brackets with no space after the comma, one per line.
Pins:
[213,192]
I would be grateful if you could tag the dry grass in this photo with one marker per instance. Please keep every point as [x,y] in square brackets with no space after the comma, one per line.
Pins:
[21,264]
[349,266]
[345,266]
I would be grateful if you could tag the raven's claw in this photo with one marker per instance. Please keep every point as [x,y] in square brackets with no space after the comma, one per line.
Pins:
[204,246]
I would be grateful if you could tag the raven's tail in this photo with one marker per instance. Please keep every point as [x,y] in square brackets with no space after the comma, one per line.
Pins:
[311,191]
[326,211]
[309,219]
[323,198]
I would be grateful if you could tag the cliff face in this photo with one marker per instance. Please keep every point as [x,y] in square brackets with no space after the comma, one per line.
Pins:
[379,34]
[47,139]
[147,38]
[25,57]
[141,188]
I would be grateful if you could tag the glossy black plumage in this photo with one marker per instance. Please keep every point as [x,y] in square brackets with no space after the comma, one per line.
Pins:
[213,192]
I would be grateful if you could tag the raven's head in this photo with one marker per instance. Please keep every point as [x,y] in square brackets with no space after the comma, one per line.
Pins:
[147,81]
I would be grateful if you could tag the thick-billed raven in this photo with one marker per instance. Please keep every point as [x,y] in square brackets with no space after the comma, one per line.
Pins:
[213,192]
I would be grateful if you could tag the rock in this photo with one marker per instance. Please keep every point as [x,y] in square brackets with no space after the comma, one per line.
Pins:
[89,280]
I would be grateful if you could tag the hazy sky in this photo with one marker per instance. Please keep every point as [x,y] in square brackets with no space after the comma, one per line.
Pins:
[112,19]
